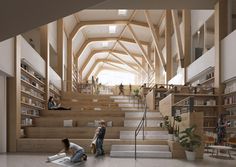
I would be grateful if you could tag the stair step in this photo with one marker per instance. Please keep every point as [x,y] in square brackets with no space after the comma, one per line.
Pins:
[127,135]
[140,148]
[140,114]
[142,154]
[132,105]
[135,123]
[120,97]
[125,100]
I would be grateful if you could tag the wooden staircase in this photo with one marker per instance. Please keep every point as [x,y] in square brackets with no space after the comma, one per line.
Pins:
[49,130]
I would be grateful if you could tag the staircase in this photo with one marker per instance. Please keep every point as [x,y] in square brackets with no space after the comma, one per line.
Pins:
[125,114]
[133,114]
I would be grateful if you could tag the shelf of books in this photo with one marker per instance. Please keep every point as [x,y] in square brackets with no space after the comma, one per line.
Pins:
[200,103]
[32,95]
[229,98]
[205,78]
[54,92]
[75,78]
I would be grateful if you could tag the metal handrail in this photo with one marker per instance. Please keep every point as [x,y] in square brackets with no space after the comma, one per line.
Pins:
[141,125]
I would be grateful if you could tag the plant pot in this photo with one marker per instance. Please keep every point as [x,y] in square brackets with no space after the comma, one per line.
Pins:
[176,138]
[171,137]
[191,156]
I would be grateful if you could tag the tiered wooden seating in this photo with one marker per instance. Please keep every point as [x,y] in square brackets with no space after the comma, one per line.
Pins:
[49,130]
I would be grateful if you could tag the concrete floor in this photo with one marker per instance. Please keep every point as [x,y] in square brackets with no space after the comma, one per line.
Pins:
[38,160]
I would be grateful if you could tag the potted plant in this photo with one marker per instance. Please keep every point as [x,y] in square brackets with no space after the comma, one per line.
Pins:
[190,141]
[136,92]
[170,126]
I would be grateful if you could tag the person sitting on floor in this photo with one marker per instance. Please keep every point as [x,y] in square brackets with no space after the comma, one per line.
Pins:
[77,152]
[52,105]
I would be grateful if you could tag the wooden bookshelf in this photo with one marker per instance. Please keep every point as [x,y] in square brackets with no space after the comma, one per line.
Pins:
[154,96]
[195,103]
[54,92]
[32,95]
[229,100]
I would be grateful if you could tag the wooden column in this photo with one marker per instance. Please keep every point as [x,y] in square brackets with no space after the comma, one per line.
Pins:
[14,101]
[60,48]
[69,65]
[221,31]
[186,40]
[44,44]
[156,66]
[169,59]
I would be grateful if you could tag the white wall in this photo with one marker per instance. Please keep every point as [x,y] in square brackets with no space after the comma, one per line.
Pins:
[54,78]
[7,52]
[52,33]
[228,59]
[32,57]
[198,17]
[3,114]
[202,63]
[178,79]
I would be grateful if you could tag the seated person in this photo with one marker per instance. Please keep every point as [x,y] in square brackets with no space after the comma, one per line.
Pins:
[77,152]
[52,105]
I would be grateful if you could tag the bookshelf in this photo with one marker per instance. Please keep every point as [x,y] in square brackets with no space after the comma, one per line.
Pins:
[154,96]
[75,78]
[205,78]
[54,92]
[32,95]
[199,103]
[229,99]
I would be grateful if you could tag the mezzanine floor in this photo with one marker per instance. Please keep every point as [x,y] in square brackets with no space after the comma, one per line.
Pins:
[38,160]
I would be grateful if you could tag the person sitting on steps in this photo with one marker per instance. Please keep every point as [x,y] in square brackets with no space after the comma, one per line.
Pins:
[52,105]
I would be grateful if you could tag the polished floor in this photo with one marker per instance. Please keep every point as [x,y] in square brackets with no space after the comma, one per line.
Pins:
[36,160]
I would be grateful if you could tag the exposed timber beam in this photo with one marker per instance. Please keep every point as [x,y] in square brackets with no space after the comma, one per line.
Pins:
[155,39]
[135,60]
[83,24]
[124,62]
[104,61]
[91,40]
[94,52]
[121,68]
[178,36]
[140,47]
[169,62]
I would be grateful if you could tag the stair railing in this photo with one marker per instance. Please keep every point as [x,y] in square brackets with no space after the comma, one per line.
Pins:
[141,125]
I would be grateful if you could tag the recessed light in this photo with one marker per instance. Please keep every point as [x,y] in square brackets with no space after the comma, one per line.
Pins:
[122,12]
[112,29]
[198,32]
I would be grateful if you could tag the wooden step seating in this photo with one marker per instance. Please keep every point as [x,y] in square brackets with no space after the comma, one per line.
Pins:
[143,151]
[45,145]
[47,134]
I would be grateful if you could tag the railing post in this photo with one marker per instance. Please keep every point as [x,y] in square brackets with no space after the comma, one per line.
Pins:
[143,128]
[135,146]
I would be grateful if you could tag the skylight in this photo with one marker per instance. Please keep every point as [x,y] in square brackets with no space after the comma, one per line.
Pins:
[122,12]
[112,29]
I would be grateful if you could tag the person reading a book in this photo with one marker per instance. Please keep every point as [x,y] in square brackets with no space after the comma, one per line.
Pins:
[77,152]
[52,105]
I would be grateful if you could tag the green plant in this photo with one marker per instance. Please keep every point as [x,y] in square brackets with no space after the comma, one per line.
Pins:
[136,92]
[169,125]
[189,140]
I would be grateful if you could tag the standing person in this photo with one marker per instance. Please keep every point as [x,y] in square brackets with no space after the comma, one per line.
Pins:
[121,88]
[221,130]
[130,89]
[100,137]
[77,152]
